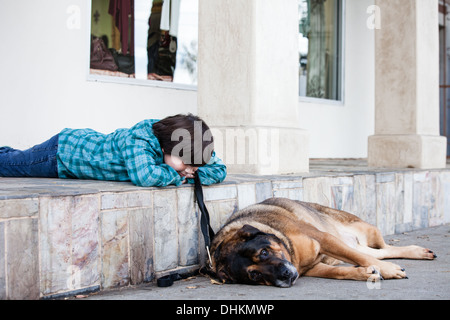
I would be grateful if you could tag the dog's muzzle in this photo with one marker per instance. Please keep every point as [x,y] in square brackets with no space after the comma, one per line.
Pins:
[287,275]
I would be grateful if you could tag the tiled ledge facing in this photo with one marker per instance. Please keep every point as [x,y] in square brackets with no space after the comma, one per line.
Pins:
[59,237]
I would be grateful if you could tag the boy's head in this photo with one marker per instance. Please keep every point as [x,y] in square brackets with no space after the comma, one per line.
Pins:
[186,137]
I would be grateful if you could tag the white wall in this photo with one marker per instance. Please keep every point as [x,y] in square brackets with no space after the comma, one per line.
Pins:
[44,87]
[43,78]
[342,131]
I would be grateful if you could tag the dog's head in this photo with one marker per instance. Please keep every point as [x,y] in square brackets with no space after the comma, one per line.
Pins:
[250,256]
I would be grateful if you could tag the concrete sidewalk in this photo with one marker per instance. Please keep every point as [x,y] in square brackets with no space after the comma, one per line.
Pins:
[427,280]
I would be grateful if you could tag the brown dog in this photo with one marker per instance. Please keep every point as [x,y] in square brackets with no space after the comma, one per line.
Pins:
[278,240]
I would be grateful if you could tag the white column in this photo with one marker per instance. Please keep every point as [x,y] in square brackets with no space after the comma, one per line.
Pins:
[248,84]
[142,13]
[407,87]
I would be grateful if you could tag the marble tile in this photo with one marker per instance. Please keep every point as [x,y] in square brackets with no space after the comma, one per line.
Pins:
[212,193]
[342,193]
[188,228]
[69,243]
[371,199]
[445,181]
[385,177]
[18,208]
[165,230]
[281,193]
[421,199]
[221,211]
[114,256]
[295,194]
[342,197]
[2,262]
[287,184]
[400,207]
[437,200]
[291,189]
[346,180]
[126,200]
[263,191]
[386,207]
[246,195]
[317,190]
[22,259]
[85,252]
[141,245]
[364,198]
[55,225]
[408,198]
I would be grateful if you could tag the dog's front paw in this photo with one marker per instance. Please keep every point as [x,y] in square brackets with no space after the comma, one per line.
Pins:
[374,274]
[391,270]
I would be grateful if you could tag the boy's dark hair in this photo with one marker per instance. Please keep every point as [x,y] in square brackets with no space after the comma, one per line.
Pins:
[187,137]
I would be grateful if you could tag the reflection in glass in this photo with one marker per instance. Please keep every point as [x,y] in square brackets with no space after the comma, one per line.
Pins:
[320,49]
[144,39]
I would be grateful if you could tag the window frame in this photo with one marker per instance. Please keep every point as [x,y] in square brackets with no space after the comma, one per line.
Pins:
[179,86]
[341,40]
[124,80]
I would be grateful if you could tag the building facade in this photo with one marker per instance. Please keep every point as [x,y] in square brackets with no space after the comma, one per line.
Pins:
[279,82]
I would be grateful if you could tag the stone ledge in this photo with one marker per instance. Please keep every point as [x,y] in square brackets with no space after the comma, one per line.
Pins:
[58,237]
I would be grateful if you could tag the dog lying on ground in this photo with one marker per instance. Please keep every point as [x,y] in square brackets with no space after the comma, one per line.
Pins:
[278,240]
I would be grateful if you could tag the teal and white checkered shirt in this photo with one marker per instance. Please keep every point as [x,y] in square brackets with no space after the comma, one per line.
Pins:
[125,155]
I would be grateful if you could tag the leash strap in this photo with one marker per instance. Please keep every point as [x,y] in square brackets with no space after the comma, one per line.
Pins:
[208,232]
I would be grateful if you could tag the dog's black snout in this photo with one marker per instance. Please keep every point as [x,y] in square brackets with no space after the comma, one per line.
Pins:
[285,273]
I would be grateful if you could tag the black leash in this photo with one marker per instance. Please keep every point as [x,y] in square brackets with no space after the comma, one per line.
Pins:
[208,232]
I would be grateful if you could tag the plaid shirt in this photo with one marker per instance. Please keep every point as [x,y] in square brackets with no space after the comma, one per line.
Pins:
[125,155]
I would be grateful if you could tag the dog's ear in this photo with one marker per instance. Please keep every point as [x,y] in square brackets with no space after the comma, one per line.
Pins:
[248,232]
[224,276]
[217,251]
[221,275]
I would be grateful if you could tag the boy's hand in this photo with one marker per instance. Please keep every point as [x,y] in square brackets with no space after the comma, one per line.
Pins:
[185,175]
[178,165]
[188,173]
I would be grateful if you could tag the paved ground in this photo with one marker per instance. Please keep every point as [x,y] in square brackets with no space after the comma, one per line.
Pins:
[428,280]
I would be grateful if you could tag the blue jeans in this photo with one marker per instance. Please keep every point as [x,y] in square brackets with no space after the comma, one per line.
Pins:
[38,161]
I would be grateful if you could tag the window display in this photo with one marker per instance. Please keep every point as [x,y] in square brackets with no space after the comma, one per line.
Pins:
[157,40]
[320,48]
[152,40]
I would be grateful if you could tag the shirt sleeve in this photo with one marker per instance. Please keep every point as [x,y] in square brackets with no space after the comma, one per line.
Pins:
[143,168]
[213,172]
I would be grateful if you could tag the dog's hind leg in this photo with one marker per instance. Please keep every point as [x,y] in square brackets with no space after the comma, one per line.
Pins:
[391,252]
[370,239]
[377,247]
[337,249]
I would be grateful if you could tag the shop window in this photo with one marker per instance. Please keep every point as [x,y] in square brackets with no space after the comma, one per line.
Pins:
[320,48]
[144,40]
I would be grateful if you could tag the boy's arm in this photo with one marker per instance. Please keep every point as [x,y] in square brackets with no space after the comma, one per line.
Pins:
[213,172]
[154,176]
[142,168]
